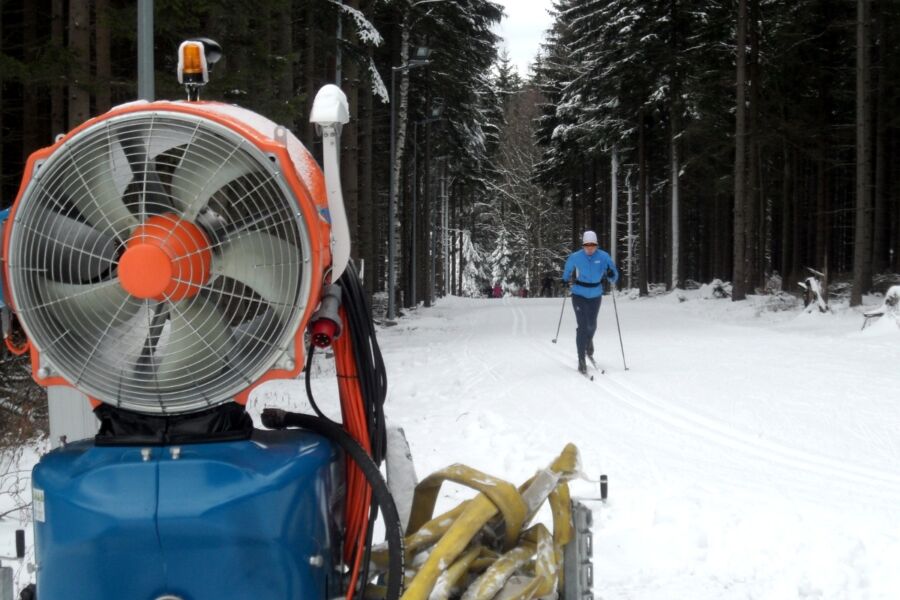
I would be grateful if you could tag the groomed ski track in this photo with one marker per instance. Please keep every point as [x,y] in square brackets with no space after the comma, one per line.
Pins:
[749,454]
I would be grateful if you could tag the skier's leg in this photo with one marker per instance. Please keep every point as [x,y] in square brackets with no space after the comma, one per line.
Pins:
[581,317]
[591,315]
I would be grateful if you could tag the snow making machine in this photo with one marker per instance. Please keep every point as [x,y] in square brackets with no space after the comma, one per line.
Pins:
[166,258]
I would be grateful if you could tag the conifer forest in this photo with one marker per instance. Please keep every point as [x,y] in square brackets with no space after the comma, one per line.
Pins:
[744,140]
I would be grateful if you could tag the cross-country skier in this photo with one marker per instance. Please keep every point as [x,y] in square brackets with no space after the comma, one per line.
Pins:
[589,266]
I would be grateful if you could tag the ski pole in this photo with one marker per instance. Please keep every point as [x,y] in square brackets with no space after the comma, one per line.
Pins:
[616,309]
[561,311]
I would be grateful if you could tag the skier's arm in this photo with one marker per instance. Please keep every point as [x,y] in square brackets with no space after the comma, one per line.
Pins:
[615,272]
[567,270]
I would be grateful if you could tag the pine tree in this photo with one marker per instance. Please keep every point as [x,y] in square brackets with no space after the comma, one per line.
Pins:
[475,278]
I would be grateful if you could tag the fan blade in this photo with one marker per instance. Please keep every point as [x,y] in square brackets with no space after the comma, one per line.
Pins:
[142,142]
[142,146]
[198,345]
[73,252]
[90,308]
[265,263]
[200,175]
[256,336]
[105,172]
[156,321]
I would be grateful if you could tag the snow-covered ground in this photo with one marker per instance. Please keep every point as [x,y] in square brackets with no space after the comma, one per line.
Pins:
[750,453]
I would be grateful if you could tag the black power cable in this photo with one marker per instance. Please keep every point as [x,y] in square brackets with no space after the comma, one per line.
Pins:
[372,376]
[381,495]
[309,394]
[367,355]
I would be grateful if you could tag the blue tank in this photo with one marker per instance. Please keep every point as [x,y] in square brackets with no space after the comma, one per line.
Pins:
[231,521]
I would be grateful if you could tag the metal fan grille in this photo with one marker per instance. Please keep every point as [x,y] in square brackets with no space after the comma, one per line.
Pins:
[176,351]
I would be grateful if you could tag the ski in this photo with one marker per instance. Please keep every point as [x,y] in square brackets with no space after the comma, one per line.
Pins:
[596,366]
[587,376]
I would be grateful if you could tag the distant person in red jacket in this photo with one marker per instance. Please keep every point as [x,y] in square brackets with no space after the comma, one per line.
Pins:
[498,291]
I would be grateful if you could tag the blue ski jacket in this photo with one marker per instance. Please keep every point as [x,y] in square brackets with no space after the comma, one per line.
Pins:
[589,270]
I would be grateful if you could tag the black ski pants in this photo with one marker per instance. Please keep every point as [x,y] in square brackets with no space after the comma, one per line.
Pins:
[586,311]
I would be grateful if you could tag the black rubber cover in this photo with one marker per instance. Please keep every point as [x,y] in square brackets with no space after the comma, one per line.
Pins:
[223,423]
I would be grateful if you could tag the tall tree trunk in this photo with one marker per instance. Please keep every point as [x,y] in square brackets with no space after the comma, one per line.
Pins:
[80,68]
[614,203]
[862,247]
[594,198]
[405,249]
[445,233]
[894,243]
[630,224]
[739,284]
[767,224]
[752,208]
[823,193]
[581,194]
[31,134]
[881,220]
[675,266]
[719,228]
[57,89]
[574,206]
[400,106]
[350,142]
[643,198]
[676,280]
[309,70]
[2,129]
[459,234]
[298,41]
[451,208]
[895,235]
[285,45]
[102,37]
[787,215]
[426,230]
[797,228]
[367,205]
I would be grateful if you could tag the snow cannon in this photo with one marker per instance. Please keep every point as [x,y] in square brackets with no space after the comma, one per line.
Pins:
[165,258]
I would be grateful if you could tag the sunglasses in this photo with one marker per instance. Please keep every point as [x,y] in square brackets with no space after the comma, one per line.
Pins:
[590,245]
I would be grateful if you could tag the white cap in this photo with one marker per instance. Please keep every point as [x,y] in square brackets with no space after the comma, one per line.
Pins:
[589,237]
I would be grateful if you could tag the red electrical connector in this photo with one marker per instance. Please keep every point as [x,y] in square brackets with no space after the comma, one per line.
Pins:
[325,325]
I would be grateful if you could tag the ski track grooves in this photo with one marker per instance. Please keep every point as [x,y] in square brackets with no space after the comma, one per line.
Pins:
[711,430]
[726,435]
[520,319]
[473,373]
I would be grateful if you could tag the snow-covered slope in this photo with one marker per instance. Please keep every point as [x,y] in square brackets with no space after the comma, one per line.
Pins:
[750,453]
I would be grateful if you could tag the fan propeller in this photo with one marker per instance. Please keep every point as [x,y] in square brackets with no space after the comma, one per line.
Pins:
[157,261]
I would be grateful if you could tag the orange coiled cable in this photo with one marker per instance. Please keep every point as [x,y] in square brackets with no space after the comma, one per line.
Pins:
[359,493]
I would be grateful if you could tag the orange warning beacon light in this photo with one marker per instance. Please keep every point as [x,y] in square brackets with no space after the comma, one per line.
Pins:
[195,60]
[192,63]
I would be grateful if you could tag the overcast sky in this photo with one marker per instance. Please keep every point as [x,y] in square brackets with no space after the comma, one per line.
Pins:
[523,29]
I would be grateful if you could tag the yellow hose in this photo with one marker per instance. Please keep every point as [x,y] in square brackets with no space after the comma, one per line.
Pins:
[450,546]
[448,580]
[456,546]
[502,495]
